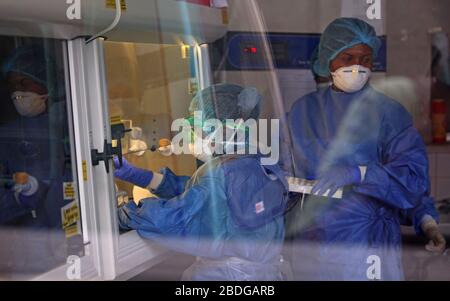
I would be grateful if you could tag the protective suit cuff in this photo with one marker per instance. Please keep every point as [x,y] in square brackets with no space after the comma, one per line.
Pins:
[31,187]
[156,181]
[426,222]
[427,218]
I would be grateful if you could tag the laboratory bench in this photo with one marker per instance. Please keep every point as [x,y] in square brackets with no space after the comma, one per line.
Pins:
[418,263]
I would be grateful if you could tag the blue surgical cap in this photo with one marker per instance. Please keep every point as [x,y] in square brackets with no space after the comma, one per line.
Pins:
[342,34]
[30,61]
[227,101]
[314,58]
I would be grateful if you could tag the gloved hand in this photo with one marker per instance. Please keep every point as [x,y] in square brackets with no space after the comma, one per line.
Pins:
[26,188]
[336,178]
[437,241]
[137,176]
[25,183]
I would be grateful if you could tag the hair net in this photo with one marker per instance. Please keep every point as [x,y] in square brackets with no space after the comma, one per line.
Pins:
[30,61]
[227,101]
[313,59]
[341,34]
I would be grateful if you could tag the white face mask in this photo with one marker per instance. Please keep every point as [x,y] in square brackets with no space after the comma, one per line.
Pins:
[203,156]
[29,104]
[351,79]
[227,147]
[207,151]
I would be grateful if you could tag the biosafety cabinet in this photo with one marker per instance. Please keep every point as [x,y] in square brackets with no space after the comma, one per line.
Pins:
[117,74]
[120,74]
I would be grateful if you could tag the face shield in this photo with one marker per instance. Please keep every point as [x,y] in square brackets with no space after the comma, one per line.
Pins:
[211,138]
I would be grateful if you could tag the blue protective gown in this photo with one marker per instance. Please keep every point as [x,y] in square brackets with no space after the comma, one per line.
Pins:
[36,146]
[414,217]
[192,215]
[365,128]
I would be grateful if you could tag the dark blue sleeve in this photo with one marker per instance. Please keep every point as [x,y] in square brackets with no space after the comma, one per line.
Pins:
[192,222]
[159,215]
[415,215]
[10,209]
[171,185]
[174,223]
[401,178]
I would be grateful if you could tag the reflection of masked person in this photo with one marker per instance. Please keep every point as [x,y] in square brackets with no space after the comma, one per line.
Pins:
[441,70]
[352,137]
[24,71]
[32,150]
[203,215]
[29,104]
[441,57]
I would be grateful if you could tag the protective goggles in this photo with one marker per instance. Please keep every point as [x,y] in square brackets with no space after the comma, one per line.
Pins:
[236,127]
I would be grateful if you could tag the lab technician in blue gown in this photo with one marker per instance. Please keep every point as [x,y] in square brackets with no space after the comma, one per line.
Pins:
[424,218]
[229,213]
[351,137]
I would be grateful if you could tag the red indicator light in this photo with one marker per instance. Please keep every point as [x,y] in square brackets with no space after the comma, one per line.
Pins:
[250,50]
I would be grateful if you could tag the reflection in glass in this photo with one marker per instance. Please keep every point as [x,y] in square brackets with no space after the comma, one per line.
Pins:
[39,219]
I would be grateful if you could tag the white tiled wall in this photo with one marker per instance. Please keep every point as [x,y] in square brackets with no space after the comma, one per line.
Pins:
[440,175]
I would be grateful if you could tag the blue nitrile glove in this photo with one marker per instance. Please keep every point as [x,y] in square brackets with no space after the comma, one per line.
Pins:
[27,194]
[137,176]
[336,178]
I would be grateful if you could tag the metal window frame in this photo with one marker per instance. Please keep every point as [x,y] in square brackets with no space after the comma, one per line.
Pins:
[136,254]
[76,77]
[90,128]
[126,255]
[109,255]
[203,65]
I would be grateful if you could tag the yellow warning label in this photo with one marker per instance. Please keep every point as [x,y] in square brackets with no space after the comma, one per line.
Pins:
[69,191]
[112,4]
[115,120]
[72,230]
[185,51]
[84,167]
[225,18]
[70,214]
